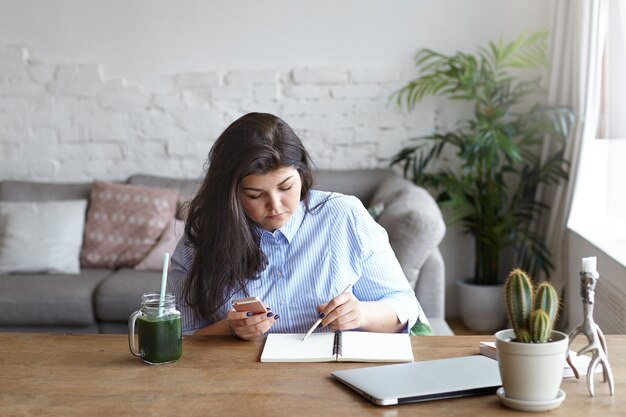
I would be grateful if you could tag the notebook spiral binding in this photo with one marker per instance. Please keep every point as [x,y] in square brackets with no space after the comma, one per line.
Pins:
[337,343]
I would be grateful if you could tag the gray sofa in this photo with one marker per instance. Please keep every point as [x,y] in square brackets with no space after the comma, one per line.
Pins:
[101,300]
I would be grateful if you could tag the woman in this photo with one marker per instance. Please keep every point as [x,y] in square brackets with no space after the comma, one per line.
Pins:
[257,228]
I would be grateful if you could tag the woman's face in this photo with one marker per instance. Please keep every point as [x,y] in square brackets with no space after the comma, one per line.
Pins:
[271,199]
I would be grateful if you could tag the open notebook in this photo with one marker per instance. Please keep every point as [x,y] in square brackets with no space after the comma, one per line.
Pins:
[347,346]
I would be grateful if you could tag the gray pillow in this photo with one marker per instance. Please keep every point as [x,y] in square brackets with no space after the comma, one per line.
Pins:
[413,222]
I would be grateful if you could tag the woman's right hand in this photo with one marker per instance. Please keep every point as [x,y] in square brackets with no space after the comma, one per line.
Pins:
[248,326]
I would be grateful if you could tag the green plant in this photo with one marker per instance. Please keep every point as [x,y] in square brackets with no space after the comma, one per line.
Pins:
[532,312]
[491,185]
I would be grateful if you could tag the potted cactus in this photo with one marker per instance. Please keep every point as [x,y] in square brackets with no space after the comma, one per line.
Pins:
[531,355]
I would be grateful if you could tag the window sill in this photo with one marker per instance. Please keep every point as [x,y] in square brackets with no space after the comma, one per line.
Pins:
[606,232]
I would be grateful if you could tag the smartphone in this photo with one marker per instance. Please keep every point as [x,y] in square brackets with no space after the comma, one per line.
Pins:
[251,304]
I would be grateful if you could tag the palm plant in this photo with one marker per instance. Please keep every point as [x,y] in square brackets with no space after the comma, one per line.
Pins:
[493,191]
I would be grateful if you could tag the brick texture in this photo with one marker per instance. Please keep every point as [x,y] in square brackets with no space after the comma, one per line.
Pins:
[65,121]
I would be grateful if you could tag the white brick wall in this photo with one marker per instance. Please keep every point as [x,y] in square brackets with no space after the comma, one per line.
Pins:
[64,121]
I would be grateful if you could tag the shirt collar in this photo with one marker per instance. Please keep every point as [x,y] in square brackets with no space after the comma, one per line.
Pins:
[291,228]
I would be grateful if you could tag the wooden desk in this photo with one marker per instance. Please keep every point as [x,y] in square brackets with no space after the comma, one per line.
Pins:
[95,375]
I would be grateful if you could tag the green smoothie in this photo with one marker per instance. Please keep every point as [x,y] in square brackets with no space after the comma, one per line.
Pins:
[160,340]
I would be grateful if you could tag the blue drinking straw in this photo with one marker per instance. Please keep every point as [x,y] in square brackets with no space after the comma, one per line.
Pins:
[166,259]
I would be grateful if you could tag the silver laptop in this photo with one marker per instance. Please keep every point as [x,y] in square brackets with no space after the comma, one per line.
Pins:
[424,380]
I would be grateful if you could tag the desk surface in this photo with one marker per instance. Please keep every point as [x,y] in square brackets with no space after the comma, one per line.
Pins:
[95,375]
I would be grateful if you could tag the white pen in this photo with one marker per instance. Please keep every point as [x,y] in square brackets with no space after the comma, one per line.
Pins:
[317,323]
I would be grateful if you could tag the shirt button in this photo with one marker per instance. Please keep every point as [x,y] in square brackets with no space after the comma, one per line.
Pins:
[280,274]
[282,302]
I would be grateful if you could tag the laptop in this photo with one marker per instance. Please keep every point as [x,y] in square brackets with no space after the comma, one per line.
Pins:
[424,380]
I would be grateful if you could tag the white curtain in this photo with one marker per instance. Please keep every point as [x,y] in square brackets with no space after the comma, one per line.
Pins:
[578,36]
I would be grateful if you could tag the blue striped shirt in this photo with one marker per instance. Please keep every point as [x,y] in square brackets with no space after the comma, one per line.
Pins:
[312,259]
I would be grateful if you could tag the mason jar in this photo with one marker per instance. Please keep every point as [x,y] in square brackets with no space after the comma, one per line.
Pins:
[158,330]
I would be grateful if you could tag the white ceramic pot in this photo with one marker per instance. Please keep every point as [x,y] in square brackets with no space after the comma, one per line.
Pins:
[481,307]
[531,372]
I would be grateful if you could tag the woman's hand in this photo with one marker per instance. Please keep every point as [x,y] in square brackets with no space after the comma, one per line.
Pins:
[344,312]
[247,326]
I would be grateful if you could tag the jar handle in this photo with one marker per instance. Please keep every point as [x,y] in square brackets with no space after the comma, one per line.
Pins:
[132,344]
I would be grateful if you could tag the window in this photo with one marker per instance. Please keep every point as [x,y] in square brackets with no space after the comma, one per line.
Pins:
[613,120]
[599,206]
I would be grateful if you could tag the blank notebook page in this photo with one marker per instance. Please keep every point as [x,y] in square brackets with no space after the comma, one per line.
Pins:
[378,347]
[287,347]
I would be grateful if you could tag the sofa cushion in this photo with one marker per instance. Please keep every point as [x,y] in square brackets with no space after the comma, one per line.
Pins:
[413,222]
[153,261]
[44,236]
[120,293]
[42,191]
[431,293]
[40,300]
[90,329]
[187,188]
[124,222]
[440,327]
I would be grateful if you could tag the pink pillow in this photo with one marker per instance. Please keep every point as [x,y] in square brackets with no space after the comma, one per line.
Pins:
[124,222]
[167,243]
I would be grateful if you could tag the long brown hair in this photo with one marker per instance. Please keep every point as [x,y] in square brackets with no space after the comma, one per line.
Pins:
[227,251]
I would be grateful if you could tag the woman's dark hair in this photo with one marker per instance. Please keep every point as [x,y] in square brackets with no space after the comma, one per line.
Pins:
[227,251]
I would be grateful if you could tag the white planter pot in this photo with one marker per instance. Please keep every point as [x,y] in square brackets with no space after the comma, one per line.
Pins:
[531,372]
[481,306]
